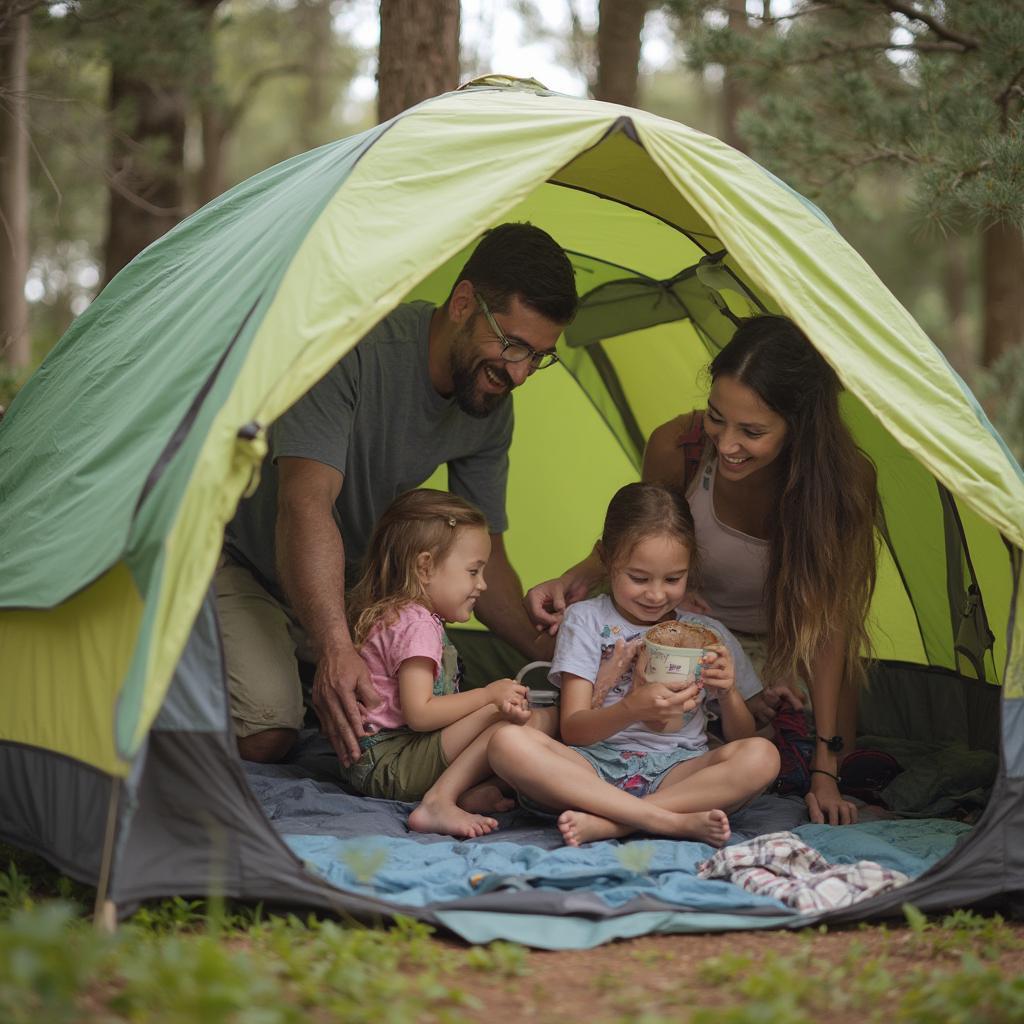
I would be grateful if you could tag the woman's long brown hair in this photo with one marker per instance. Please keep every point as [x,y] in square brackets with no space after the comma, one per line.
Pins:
[416,521]
[823,557]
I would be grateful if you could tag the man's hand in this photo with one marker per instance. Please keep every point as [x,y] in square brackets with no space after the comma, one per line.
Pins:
[342,690]
[546,602]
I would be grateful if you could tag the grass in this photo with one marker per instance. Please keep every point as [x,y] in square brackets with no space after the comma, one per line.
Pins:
[961,982]
[192,962]
[181,961]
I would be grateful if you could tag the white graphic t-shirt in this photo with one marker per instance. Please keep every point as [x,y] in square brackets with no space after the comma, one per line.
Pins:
[587,637]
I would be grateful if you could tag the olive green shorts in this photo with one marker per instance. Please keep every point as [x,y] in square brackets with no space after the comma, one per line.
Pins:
[400,765]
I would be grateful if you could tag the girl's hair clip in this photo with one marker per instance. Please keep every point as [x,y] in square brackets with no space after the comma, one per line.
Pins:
[451,520]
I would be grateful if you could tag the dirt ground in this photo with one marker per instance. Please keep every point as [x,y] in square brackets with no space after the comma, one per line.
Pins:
[660,978]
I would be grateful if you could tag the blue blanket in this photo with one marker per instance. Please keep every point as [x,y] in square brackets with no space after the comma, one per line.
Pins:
[416,874]
[521,883]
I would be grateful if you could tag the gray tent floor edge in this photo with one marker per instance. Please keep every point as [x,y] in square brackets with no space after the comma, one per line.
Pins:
[71,841]
[195,785]
[197,828]
[985,871]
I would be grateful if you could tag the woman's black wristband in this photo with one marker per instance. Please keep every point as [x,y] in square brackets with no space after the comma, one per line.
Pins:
[821,771]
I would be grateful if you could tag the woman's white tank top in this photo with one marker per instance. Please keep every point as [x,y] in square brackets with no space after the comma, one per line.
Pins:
[733,565]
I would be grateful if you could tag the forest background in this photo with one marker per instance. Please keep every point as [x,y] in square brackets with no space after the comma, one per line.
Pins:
[904,121]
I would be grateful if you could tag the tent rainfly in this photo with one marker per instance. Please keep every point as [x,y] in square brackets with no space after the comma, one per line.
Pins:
[125,455]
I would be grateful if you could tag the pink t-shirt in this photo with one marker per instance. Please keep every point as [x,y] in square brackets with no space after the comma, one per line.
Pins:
[416,633]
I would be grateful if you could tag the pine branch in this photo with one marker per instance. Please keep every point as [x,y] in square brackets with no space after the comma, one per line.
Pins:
[876,157]
[250,88]
[1003,99]
[942,31]
[11,10]
[113,179]
[831,50]
[969,172]
[770,19]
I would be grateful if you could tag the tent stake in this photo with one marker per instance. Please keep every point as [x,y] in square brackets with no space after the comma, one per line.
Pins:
[104,914]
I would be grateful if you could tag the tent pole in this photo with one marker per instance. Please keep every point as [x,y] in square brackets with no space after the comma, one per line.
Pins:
[104,914]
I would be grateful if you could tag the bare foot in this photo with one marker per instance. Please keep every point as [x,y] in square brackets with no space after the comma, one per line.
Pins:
[448,820]
[711,827]
[578,827]
[486,798]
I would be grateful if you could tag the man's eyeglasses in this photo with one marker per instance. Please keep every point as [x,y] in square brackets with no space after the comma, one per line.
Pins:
[513,350]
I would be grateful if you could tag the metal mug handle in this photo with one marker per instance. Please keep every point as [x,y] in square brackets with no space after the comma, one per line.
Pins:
[538,698]
[522,673]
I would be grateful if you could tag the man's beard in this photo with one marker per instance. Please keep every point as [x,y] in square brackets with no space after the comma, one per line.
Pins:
[465,371]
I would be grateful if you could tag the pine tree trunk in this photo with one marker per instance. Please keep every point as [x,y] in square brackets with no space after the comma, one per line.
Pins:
[1002,268]
[318,33]
[147,152]
[733,99]
[418,55]
[15,346]
[147,195]
[213,135]
[960,338]
[620,24]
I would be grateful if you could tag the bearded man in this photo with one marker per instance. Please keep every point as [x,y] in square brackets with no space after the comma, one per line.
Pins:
[426,386]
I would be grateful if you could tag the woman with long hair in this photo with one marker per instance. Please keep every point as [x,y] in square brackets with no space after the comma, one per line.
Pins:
[785,506]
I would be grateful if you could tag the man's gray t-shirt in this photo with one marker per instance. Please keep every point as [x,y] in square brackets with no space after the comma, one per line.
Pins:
[377,419]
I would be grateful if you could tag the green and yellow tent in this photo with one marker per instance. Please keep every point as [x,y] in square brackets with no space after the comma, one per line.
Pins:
[125,455]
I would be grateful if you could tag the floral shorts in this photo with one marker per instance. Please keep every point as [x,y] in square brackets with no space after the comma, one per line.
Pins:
[638,772]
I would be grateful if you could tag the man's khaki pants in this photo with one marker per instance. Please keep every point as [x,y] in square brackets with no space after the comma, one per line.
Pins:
[261,643]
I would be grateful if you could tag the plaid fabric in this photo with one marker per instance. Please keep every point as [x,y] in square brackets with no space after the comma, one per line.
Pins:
[780,865]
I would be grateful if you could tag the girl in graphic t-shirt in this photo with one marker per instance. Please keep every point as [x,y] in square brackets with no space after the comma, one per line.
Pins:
[630,764]
[787,518]
[427,741]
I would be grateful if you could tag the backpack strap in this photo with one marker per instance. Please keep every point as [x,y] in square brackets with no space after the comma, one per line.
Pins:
[692,440]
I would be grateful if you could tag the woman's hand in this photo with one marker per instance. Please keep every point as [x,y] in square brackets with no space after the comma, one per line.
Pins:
[764,706]
[825,804]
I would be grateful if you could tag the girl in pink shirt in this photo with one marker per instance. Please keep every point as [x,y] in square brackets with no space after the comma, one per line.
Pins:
[427,740]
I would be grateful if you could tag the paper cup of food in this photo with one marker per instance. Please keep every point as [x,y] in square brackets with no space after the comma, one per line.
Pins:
[672,655]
